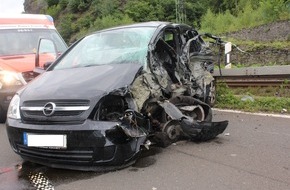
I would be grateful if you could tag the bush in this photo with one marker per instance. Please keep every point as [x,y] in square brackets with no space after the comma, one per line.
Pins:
[65,26]
[227,99]
[264,12]
[102,23]
[73,5]
[110,21]
[53,11]
[63,4]
[52,2]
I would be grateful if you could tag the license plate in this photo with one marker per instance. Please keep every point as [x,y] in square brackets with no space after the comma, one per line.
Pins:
[45,141]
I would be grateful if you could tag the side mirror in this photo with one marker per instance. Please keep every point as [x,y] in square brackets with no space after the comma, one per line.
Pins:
[46,65]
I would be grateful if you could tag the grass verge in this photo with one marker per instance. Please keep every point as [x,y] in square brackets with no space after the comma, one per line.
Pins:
[253,100]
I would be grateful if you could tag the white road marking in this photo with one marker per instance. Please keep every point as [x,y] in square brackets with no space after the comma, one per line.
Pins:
[258,114]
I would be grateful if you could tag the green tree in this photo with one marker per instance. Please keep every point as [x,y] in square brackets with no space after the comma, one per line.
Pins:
[65,26]
[194,12]
[101,8]
[274,9]
[148,10]
[53,11]
[73,5]
[63,4]
[75,18]
[52,2]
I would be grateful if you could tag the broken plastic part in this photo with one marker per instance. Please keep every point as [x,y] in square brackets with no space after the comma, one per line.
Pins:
[203,131]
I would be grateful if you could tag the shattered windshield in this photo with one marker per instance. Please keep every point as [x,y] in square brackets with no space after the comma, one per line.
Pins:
[126,45]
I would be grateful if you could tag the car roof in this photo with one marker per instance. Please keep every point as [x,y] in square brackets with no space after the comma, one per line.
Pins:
[154,24]
[26,21]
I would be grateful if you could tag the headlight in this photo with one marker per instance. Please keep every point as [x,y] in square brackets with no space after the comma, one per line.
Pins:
[13,109]
[10,79]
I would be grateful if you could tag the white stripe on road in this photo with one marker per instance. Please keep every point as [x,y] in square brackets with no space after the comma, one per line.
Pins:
[249,113]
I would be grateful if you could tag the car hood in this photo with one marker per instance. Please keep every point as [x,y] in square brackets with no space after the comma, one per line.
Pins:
[18,63]
[89,83]
[22,63]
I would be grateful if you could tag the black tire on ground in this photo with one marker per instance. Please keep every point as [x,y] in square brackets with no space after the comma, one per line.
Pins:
[2,116]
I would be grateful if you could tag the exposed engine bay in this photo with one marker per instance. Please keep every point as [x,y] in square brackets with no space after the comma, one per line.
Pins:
[168,102]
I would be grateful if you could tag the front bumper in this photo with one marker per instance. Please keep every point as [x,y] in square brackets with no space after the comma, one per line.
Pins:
[91,146]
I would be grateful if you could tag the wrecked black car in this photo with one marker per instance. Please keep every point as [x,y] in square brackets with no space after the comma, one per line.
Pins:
[114,93]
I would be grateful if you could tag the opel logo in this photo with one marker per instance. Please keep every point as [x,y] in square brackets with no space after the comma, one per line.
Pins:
[49,109]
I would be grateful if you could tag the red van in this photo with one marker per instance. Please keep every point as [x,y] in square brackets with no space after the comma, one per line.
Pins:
[19,44]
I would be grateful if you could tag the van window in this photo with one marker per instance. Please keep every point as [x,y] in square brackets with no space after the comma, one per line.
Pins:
[25,41]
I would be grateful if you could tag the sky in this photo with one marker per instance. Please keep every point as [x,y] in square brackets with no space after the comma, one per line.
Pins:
[11,6]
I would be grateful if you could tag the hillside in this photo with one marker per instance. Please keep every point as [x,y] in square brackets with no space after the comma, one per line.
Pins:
[276,31]
[267,44]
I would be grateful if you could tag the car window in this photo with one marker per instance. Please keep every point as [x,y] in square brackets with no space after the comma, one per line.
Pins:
[25,41]
[126,45]
[169,39]
[47,47]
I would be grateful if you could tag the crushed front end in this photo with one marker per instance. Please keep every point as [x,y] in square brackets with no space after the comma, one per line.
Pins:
[105,111]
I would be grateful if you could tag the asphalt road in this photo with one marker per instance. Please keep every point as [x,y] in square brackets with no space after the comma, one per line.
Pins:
[253,153]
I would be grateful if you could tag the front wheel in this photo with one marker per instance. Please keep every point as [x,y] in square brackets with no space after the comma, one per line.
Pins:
[2,116]
[172,130]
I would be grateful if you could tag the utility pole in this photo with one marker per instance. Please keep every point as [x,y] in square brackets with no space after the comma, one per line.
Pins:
[180,11]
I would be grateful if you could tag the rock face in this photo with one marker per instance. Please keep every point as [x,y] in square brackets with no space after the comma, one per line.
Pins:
[263,55]
[35,6]
[277,31]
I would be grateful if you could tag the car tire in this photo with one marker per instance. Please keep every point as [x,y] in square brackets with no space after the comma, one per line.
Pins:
[2,116]
[172,130]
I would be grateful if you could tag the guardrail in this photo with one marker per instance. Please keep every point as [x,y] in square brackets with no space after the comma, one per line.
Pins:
[255,76]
